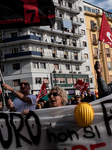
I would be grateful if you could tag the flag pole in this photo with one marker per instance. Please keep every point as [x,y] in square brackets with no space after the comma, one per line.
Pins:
[98,50]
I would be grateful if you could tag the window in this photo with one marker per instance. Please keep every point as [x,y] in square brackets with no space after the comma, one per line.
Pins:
[107,52]
[62,80]
[83,32]
[97,11]
[38,80]
[87,68]
[35,65]
[42,65]
[76,67]
[75,55]
[95,52]
[16,82]
[81,20]
[93,10]
[15,50]
[16,66]
[14,34]
[56,66]
[109,66]
[80,8]
[90,80]
[85,80]
[68,67]
[84,44]
[69,4]
[92,24]
[46,81]
[89,9]
[86,56]
[85,8]
[94,38]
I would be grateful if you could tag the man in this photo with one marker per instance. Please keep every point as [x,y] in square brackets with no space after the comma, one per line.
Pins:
[103,88]
[77,99]
[89,98]
[23,100]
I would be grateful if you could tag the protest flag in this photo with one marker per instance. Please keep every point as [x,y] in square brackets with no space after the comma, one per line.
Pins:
[42,92]
[24,13]
[0,91]
[105,31]
[81,85]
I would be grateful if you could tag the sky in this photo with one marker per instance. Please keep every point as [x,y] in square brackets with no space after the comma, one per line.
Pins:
[105,4]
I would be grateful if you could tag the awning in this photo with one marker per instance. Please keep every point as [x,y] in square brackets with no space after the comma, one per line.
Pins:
[45,80]
[61,79]
[67,24]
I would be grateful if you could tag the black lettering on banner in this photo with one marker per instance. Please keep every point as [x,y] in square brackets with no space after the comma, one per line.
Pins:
[35,139]
[72,132]
[16,131]
[49,135]
[97,131]
[7,143]
[86,131]
[105,116]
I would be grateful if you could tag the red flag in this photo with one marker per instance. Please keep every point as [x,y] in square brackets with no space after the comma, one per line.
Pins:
[105,31]
[0,91]
[42,92]
[81,85]
[96,93]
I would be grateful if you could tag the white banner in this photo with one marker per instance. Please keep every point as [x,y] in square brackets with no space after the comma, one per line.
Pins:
[56,129]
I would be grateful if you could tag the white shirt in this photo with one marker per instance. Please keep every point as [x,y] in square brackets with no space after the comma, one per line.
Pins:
[20,105]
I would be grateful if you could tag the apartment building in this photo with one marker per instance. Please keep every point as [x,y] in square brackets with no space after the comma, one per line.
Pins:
[93,18]
[57,55]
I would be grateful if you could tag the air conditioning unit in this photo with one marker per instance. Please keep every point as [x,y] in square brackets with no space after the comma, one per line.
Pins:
[79,72]
[75,72]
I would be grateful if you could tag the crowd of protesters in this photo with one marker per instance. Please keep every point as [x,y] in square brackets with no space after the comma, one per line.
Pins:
[57,96]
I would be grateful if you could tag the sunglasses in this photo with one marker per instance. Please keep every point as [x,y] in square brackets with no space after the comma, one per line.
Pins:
[54,94]
[23,83]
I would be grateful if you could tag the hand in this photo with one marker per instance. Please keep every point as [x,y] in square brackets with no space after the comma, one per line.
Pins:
[9,104]
[25,112]
[97,68]
[7,87]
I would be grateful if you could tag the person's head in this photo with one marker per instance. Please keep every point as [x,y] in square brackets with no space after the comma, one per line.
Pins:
[24,87]
[57,97]
[88,92]
[78,99]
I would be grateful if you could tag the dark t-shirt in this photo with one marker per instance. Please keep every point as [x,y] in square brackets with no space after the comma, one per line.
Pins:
[89,98]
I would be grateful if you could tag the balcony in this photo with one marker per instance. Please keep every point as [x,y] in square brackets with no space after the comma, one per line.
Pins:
[108,55]
[93,28]
[47,56]
[95,42]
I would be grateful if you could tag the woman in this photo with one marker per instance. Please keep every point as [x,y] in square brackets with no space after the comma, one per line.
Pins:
[57,97]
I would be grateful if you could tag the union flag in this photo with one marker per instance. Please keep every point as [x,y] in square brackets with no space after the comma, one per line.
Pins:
[105,31]
[81,85]
[42,92]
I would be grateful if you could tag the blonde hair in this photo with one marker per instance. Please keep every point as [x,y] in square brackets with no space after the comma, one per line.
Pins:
[62,93]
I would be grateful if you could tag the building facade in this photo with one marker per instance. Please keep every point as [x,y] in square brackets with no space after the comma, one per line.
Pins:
[58,56]
[93,18]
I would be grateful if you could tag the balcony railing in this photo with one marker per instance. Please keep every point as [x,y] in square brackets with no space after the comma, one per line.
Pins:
[47,56]
[95,42]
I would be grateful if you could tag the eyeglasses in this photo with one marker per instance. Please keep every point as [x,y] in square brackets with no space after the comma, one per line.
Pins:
[54,94]
[23,83]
